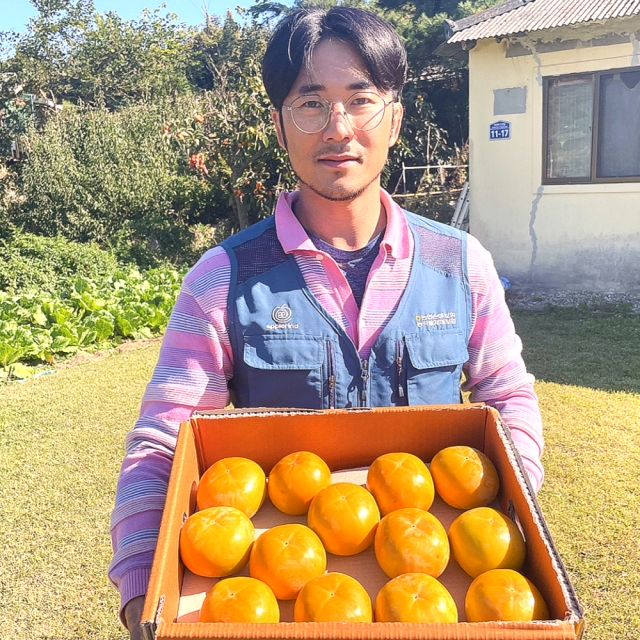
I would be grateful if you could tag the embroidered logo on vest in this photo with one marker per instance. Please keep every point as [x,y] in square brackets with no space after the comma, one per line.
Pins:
[281,316]
[436,319]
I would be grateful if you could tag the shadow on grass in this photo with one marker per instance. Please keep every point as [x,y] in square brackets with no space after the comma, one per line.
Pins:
[582,347]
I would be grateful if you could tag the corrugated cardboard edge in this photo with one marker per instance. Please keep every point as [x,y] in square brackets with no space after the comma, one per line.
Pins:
[368,631]
[575,613]
[230,413]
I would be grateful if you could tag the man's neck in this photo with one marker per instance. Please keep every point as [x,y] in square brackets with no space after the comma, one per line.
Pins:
[347,225]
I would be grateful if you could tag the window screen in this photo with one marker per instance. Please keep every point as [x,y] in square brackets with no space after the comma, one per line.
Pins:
[569,127]
[592,127]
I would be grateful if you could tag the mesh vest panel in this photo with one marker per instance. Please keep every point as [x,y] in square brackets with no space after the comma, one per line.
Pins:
[440,251]
[258,255]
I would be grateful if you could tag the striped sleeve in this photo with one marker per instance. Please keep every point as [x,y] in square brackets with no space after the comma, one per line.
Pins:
[495,372]
[191,374]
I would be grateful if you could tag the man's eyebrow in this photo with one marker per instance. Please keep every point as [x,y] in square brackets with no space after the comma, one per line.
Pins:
[362,84]
[310,88]
[314,88]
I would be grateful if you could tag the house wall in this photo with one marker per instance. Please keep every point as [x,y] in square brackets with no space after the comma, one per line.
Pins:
[580,237]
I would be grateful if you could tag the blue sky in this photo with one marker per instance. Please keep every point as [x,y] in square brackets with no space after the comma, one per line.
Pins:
[14,14]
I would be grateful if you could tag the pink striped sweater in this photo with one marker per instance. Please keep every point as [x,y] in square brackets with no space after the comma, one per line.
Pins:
[196,362]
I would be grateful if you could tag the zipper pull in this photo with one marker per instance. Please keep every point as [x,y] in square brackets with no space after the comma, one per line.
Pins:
[399,353]
[331,381]
[365,378]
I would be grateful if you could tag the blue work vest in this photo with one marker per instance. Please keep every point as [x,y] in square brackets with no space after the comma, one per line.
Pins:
[289,352]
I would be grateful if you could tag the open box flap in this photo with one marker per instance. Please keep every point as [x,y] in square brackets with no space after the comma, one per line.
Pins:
[165,581]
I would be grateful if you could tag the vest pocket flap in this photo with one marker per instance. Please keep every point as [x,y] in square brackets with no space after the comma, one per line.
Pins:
[442,349]
[283,353]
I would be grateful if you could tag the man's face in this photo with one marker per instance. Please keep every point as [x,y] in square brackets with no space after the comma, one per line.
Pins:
[338,163]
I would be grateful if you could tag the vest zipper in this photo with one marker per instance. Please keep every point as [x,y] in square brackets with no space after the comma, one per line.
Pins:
[399,355]
[331,381]
[365,379]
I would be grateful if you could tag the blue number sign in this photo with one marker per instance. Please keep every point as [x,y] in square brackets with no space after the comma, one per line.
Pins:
[500,130]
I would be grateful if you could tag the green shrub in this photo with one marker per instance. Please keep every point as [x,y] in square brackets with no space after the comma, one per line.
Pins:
[156,241]
[28,261]
[89,173]
[11,199]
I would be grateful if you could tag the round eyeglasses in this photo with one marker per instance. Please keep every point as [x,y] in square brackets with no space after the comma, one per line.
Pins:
[363,110]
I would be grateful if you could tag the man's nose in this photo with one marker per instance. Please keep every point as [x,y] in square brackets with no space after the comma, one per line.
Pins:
[338,127]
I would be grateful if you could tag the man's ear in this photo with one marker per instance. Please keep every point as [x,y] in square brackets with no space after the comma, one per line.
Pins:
[396,122]
[277,121]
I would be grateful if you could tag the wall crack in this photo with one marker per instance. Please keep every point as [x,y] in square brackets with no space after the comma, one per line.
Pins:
[530,45]
[532,232]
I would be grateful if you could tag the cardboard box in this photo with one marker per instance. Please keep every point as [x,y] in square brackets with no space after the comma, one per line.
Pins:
[351,440]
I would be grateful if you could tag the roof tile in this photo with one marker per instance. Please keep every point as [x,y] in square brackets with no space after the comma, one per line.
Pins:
[519,16]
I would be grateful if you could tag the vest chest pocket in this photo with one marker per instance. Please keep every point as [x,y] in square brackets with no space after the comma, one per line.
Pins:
[434,366]
[284,371]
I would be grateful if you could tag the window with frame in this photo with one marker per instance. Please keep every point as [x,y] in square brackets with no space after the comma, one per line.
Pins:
[592,127]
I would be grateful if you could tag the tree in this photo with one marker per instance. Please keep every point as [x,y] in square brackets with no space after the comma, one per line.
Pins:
[119,62]
[41,56]
[441,81]
[110,177]
[76,54]
[233,142]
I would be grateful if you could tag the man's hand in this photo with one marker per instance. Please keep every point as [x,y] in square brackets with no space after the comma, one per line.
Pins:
[133,615]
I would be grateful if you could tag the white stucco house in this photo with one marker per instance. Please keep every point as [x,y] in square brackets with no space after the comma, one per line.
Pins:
[554,135]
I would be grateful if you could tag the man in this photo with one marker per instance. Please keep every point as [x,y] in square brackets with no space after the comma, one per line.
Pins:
[340,299]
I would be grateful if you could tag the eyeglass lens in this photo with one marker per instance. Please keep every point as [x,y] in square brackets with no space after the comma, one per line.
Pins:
[365,110]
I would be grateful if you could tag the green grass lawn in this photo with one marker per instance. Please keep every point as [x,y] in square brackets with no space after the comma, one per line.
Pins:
[588,381]
[61,444]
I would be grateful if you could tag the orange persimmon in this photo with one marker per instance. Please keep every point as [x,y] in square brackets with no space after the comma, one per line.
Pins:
[333,597]
[399,480]
[464,477]
[286,557]
[296,480]
[415,597]
[233,482]
[483,538]
[216,542]
[345,517]
[411,541]
[504,595]
[240,599]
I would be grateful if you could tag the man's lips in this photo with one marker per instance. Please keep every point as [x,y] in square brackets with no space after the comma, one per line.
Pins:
[339,161]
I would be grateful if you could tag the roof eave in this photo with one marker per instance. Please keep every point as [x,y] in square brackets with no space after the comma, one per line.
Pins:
[487,14]
[460,49]
[457,50]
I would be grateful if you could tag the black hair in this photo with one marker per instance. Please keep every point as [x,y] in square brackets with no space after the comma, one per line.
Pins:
[291,47]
